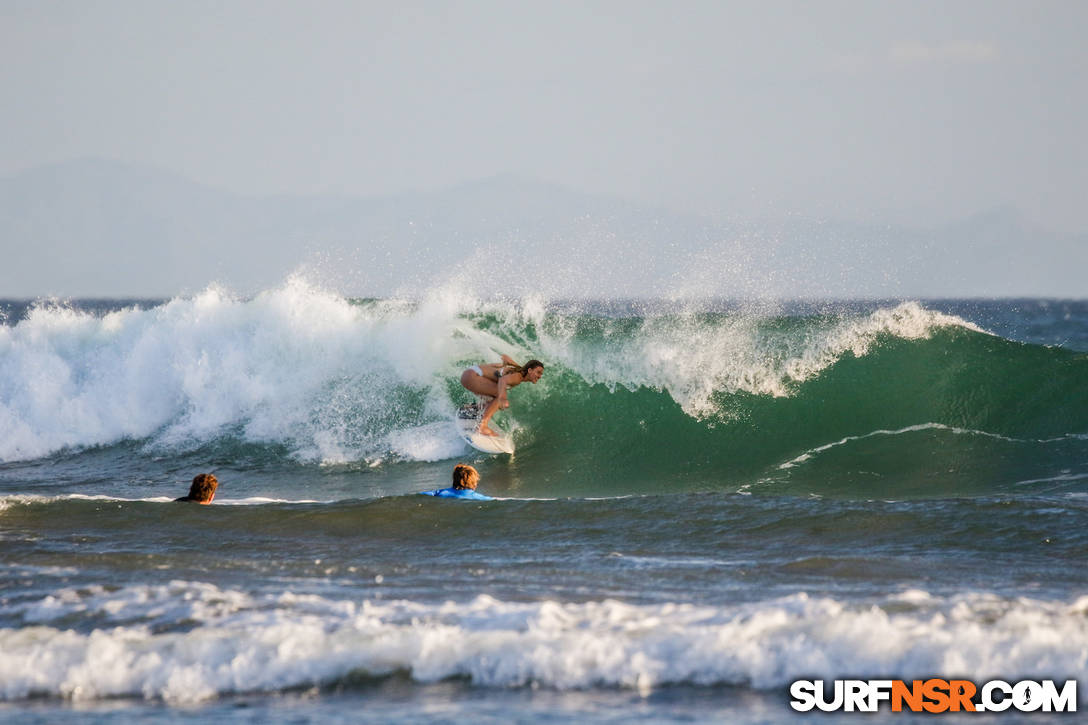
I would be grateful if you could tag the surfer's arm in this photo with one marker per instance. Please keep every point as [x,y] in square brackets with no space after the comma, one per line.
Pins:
[509,361]
[504,385]
[488,412]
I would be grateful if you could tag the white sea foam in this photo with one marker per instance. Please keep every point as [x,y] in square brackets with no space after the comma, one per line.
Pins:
[432,442]
[259,500]
[299,366]
[245,643]
[1061,478]
[19,499]
[807,455]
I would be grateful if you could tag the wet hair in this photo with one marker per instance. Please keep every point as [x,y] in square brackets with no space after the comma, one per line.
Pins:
[521,368]
[203,487]
[465,476]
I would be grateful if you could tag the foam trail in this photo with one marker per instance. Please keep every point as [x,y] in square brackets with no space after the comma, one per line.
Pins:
[246,643]
[807,455]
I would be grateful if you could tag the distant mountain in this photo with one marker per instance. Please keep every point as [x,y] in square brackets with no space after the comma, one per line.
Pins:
[100,228]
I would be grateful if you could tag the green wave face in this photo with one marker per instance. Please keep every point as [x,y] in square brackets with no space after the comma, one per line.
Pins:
[862,407]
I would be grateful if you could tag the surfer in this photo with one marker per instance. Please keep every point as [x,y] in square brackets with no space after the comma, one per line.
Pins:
[465,480]
[203,489]
[492,380]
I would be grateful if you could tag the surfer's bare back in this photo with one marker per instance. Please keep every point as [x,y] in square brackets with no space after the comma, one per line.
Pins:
[492,380]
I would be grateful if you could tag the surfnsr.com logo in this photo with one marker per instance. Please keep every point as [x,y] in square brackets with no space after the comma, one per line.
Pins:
[934,696]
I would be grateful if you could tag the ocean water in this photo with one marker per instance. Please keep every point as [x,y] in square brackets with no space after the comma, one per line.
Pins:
[708,501]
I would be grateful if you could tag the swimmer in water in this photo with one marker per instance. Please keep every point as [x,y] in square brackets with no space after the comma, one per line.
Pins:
[492,380]
[203,489]
[465,480]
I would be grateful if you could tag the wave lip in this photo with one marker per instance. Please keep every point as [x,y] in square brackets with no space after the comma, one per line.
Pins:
[697,360]
[245,643]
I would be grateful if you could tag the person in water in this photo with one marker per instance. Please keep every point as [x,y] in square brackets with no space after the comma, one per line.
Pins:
[465,480]
[492,380]
[203,489]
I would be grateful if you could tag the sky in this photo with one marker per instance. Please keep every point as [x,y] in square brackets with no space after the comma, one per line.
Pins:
[906,112]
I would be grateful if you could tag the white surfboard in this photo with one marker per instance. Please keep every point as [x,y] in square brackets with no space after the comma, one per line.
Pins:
[467,423]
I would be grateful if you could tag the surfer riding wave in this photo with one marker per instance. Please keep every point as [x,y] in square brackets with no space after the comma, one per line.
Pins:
[492,380]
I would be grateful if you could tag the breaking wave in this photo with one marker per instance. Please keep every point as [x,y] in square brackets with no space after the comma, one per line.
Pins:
[738,393]
[191,641]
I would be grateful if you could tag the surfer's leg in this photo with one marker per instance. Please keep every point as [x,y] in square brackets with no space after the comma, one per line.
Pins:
[488,412]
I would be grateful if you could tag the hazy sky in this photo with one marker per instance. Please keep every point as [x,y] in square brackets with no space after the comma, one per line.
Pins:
[899,111]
